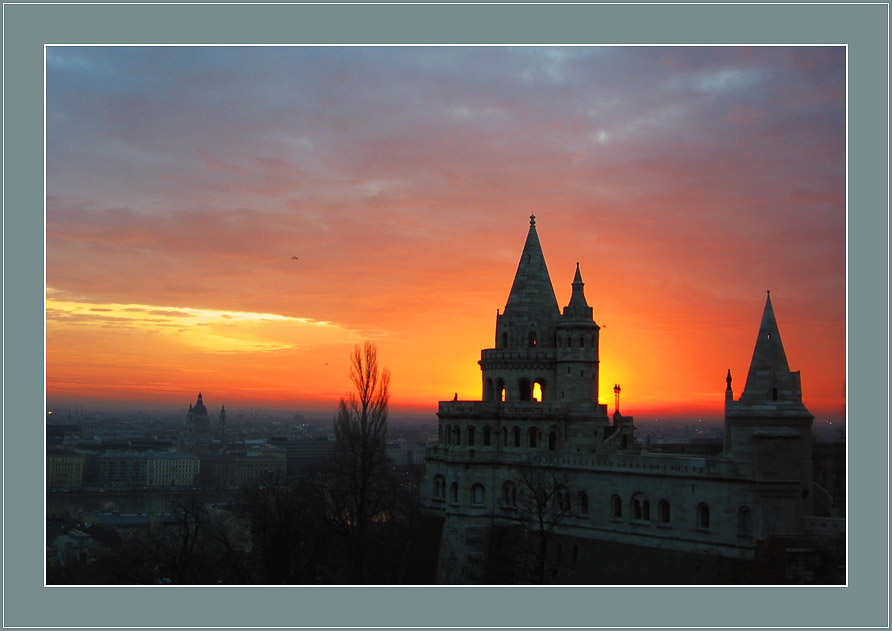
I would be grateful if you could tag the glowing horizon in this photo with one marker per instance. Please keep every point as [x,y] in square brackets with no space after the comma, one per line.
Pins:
[235,220]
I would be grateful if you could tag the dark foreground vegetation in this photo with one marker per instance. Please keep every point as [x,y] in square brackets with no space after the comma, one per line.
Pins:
[279,532]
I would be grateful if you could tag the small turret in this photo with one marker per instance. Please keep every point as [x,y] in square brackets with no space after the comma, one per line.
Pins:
[577,348]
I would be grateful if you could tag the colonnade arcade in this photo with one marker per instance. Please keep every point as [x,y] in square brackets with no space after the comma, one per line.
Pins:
[526,389]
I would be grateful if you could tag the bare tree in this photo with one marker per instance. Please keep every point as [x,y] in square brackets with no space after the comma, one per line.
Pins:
[359,486]
[542,504]
[285,521]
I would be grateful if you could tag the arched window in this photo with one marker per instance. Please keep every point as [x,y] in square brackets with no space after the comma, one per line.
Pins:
[487,436]
[504,339]
[503,392]
[582,503]
[439,487]
[552,440]
[472,433]
[537,391]
[453,493]
[525,389]
[439,433]
[745,521]
[563,500]
[509,494]
[664,513]
[478,494]
[448,434]
[517,437]
[504,437]
[703,516]
[774,394]
[533,437]
[532,338]
[489,393]
[581,342]
[616,507]
[456,435]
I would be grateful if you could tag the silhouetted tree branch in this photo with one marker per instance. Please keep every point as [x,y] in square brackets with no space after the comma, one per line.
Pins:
[359,487]
[542,504]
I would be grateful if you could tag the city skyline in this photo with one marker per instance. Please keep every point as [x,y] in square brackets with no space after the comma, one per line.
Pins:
[234,220]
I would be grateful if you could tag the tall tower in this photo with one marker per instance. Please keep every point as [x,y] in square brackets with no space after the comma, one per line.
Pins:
[769,428]
[221,425]
[525,333]
[577,349]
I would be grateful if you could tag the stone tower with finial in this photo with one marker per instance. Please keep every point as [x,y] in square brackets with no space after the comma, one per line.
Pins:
[769,428]
[540,427]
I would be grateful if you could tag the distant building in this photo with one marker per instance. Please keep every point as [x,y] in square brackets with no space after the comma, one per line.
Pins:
[147,469]
[198,426]
[64,467]
[241,468]
[404,453]
[539,456]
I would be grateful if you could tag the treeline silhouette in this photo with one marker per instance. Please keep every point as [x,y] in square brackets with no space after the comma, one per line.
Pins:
[279,532]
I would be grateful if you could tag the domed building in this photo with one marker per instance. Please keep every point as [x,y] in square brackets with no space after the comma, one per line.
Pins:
[197,424]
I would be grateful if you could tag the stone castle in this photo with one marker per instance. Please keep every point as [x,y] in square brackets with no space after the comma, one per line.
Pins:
[539,474]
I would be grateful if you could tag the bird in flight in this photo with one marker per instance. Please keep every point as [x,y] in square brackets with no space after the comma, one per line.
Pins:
[295,258]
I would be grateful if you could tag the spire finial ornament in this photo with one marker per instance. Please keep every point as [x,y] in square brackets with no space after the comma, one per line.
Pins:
[532,220]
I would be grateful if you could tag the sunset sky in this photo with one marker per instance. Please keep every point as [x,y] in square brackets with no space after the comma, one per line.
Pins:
[686,181]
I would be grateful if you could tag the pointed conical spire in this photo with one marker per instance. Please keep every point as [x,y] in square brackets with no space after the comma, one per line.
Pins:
[769,377]
[532,290]
[577,308]
[577,298]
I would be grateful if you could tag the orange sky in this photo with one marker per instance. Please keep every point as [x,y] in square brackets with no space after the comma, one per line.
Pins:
[686,181]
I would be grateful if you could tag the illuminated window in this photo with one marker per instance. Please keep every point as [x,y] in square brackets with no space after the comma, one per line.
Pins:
[537,391]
